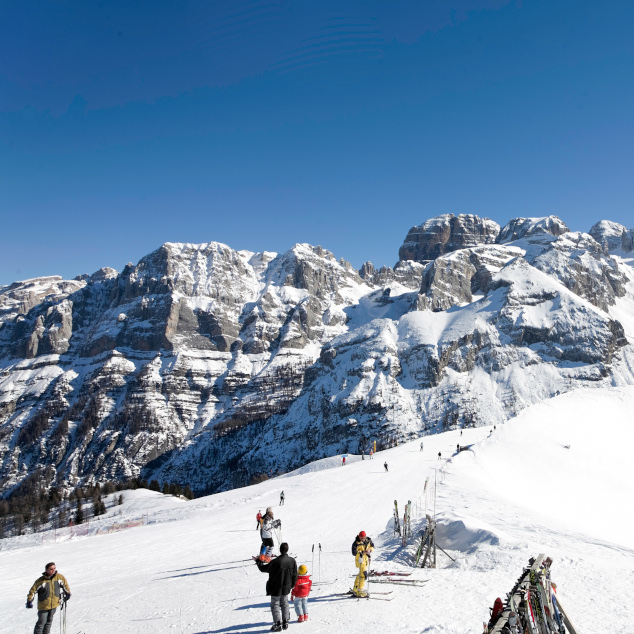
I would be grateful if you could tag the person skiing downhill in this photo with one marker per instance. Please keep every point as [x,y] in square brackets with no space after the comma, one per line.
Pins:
[282,573]
[266,532]
[52,591]
[362,548]
[421,446]
[258,519]
[299,594]
[385,465]
[282,498]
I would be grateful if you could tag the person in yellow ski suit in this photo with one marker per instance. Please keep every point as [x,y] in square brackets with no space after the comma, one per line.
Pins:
[362,550]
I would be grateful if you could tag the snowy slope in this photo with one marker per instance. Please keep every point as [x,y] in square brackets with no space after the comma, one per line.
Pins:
[557,479]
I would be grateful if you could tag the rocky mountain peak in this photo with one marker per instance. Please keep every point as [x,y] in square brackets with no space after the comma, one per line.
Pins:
[613,237]
[525,227]
[446,233]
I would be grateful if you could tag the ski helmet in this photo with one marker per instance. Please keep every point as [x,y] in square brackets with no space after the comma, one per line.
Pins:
[302,570]
[362,535]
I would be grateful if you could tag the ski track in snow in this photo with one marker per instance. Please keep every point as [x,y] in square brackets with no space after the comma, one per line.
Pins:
[517,492]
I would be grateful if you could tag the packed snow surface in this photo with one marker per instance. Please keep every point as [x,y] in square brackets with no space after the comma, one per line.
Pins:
[557,480]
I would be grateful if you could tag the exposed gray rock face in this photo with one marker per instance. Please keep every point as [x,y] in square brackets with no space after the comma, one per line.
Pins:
[405,272]
[453,279]
[525,227]
[209,366]
[447,233]
[613,237]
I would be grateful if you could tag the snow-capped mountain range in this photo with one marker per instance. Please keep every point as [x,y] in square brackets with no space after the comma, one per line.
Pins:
[213,367]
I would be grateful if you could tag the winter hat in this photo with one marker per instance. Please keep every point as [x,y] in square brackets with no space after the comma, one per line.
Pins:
[302,570]
[362,534]
[269,510]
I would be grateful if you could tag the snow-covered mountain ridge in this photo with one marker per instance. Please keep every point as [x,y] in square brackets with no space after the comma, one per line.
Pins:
[211,366]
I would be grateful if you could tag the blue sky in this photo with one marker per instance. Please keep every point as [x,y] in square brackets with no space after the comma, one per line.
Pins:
[124,125]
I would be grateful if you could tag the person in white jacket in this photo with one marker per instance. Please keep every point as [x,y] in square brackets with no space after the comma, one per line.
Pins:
[266,532]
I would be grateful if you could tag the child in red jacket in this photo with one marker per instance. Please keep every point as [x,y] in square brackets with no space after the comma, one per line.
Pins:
[299,594]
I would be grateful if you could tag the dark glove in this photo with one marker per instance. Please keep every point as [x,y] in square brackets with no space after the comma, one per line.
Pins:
[277,523]
[67,597]
[29,604]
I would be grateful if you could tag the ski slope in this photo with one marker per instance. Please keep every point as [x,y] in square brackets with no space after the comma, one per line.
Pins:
[557,479]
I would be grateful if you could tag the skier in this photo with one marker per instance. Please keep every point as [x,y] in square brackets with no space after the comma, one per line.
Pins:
[266,532]
[439,455]
[343,461]
[461,432]
[421,446]
[385,465]
[362,455]
[458,448]
[299,594]
[282,498]
[52,591]
[282,573]
[258,519]
[362,550]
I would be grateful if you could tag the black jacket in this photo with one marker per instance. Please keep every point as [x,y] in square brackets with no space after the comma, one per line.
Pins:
[282,575]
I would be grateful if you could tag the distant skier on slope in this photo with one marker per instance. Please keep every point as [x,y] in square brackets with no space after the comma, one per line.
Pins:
[362,548]
[258,519]
[439,455]
[282,498]
[421,446]
[266,532]
[385,465]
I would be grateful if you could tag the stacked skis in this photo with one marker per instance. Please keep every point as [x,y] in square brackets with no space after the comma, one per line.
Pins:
[532,606]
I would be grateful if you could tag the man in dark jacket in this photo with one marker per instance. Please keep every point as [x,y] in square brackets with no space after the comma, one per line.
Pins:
[282,573]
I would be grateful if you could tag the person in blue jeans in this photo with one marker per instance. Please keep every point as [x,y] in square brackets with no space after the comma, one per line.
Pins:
[299,594]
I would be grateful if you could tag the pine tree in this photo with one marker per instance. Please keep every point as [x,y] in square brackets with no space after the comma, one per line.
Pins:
[79,514]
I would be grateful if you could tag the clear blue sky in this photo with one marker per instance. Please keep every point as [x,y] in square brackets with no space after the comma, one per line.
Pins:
[124,125]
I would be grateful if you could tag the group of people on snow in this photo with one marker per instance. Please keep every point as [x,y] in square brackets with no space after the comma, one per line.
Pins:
[285,577]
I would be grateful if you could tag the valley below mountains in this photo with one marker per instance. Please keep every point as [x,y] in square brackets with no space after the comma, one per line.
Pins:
[217,368]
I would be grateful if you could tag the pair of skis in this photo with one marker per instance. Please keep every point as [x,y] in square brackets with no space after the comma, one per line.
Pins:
[351,594]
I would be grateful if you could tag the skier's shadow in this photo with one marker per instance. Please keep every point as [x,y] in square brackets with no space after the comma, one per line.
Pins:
[236,628]
[253,605]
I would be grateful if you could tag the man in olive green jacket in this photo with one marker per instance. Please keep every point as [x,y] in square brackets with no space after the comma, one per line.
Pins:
[52,590]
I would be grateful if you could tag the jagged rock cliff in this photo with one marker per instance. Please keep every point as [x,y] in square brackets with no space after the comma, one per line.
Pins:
[210,366]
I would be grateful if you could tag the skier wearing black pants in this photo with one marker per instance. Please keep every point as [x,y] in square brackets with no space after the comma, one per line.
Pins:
[385,465]
[282,573]
[282,498]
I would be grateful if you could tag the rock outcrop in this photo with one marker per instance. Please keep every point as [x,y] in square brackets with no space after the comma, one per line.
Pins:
[613,237]
[526,227]
[447,233]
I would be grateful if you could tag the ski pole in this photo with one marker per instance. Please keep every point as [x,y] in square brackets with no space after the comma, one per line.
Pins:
[320,562]
[312,566]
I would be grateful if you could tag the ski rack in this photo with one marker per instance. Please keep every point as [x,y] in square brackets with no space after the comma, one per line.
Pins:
[532,606]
